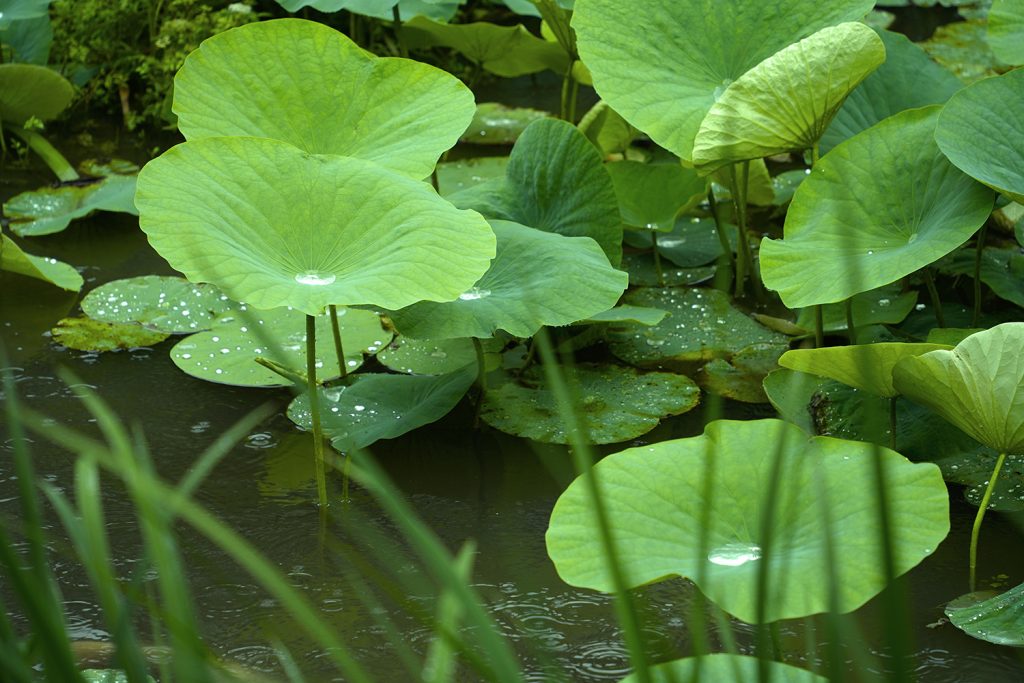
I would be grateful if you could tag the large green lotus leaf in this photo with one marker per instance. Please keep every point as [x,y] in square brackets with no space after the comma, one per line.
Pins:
[652,195]
[972,465]
[455,176]
[963,48]
[496,124]
[1001,269]
[725,667]
[503,50]
[908,79]
[556,181]
[307,84]
[442,10]
[978,386]
[692,242]
[537,278]
[659,497]
[272,226]
[864,366]
[702,324]
[14,260]
[981,131]
[883,306]
[28,40]
[87,334]
[998,619]
[51,209]
[227,353]
[741,378]
[1006,30]
[377,406]
[613,403]
[29,90]
[790,392]
[18,10]
[664,75]
[609,132]
[167,304]
[760,187]
[643,272]
[436,356]
[631,314]
[876,208]
[786,102]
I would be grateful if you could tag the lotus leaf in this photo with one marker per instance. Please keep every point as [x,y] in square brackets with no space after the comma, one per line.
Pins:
[614,403]
[951,336]
[167,304]
[441,10]
[652,195]
[14,260]
[516,293]
[876,208]
[555,182]
[865,366]
[786,102]
[972,466]
[629,314]
[272,225]
[644,273]
[665,75]
[86,334]
[306,84]
[726,667]
[790,393]
[609,132]
[29,90]
[981,132]
[1006,30]
[908,79]
[18,10]
[785,184]
[435,356]
[227,353]
[702,324]
[998,619]
[455,176]
[825,502]
[692,242]
[496,124]
[963,48]
[1001,269]
[885,305]
[760,187]
[28,40]
[978,386]
[377,406]
[108,676]
[742,377]
[50,210]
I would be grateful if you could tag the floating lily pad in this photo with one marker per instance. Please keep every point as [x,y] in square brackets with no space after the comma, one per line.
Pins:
[273,226]
[692,242]
[455,176]
[643,272]
[726,667]
[108,676]
[963,48]
[785,184]
[908,79]
[14,260]
[436,356]
[665,75]
[86,334]
[614,403]
[702,324]
[882,306]
[742,377]
[864,366]
[982,133]
[973,467]
[555,182]
[51,209]
[305,83]
[786,102]
[629,314]
[227,353]
[1001,269]
[377,406]
[876,208]
[29,90]
[652,195]
[998,619]
[167,304]
[1006,30]
[951,336]
[824,505]
[496,124]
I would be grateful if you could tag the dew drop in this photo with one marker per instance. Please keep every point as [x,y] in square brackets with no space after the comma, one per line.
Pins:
[734,554]
[473,294]
[314,278]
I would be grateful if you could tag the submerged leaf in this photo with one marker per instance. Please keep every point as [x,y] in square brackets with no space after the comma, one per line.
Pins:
[86,334]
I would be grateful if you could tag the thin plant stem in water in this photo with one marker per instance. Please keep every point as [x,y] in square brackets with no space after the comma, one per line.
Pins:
[570,93]
[976,529]
[657,258]
[339,350]
[314,411]
[742,255]
[929,282]
[979,248]
[396,14]
[723,239]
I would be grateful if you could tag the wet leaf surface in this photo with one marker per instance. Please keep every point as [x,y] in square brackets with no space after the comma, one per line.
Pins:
[86,334]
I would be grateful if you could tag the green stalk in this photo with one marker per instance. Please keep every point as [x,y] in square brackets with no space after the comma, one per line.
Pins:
[339,350]
[741,218]
[60,166]
[819,327]
[657,258]
[976,529]
[570,91]
[314,411]
[851,330]
[397,23]
[933,293]
[723,239]
[979,247]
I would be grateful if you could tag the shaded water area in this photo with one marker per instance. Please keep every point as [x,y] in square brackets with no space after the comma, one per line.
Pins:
[465,484]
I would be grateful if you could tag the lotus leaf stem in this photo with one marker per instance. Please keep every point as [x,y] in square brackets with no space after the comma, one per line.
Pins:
[314,411]
[819,327]
[723,239]
[339,350]
[657,258]
[740,204]
[397,23]
[570,93]
[929,282]
[976,529]
[60,166]
[979,247]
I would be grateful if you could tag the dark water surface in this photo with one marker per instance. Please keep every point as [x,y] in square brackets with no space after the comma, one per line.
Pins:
[465,484]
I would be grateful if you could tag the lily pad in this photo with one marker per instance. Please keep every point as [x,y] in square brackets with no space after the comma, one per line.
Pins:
[30,90]
[785,183]
[108,676]
[556,182]
[643,272]
[973,468]
[273,226]
[51,209]
[455,176]
[28,40]
[435,356]
[496,124]
[951,336]
[1001,269]
[702,324]
[515,294]
[614,403]
[726,667]
[982,133]
[882,306]
[998,619]
[825,502]
[86,334]
[305,83]
[664,76]
[908,79]
[692,242]
[786,102]
[876,208]
[789,392]
[166,304]
[628,314]
[652,195]
[227,353]
[14,260]
[378,406]
[742,377]
[963,48]
[978,386]
[864,366]
[19,10]
[1006,30]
